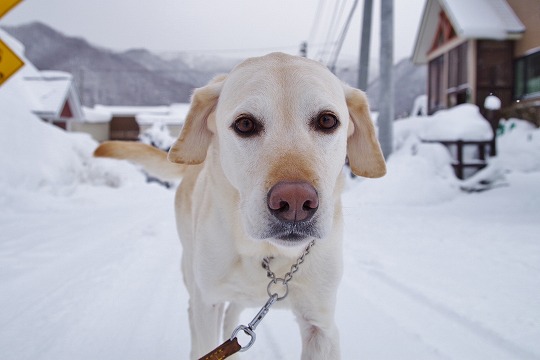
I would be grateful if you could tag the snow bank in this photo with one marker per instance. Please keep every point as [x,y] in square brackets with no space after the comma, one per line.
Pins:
[38,156]
[417,174]
[463,122]
[421,173]
[518,146]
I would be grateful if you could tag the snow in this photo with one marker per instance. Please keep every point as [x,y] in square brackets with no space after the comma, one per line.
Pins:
[157,135]
[93,115]
[490,19]
[131,110]
[493,19]
[479,19]
[144,115]
[51,88]
[492,102]
[519,145]
[420,106]
[90,259]
[175,114]
[462,122]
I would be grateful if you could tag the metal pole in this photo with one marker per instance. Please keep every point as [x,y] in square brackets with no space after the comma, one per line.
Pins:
[365,40]
[386,60]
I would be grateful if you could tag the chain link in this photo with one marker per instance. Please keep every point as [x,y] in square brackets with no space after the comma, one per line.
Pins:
[294,268]
[250,328]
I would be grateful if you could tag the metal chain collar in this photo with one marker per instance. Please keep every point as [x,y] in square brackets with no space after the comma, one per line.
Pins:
[274,296]
[288,276]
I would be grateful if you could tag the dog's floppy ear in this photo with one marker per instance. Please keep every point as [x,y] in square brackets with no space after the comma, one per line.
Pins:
[363,149]
[194,139]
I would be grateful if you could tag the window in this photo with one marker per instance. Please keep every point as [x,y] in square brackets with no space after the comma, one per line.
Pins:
[436,91]
[445,32]
[527,76]
[457,75]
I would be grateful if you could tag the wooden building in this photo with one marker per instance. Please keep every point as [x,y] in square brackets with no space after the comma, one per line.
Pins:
[128,122]
[475,48]
[53,97]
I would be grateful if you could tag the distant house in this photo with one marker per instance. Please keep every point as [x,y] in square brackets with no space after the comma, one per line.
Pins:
[474,48]
[128,122]
[51,95]
[54,97]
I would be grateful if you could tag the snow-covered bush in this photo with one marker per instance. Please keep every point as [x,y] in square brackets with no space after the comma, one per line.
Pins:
[157,135]
[518,146]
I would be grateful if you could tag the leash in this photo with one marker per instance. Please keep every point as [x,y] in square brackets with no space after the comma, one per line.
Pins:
[232,346]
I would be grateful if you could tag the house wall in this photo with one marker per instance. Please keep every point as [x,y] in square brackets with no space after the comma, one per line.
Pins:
[444,90]
[495,71]
[99,131]
[124,128]
[528,12]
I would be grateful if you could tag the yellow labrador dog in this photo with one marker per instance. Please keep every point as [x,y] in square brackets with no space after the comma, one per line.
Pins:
[261,155]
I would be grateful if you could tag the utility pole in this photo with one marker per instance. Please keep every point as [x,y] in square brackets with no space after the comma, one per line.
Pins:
[365,39]
[386,61]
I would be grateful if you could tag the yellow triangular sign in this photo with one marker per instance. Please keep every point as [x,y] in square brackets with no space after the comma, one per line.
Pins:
[6,5]
[9,62]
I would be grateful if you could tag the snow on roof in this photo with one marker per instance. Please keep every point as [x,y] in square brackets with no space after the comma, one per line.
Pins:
[478,19]
[133,110]
[487,19]
[51,89]
[45,92]
[93,115]
[176,115]
[146,115]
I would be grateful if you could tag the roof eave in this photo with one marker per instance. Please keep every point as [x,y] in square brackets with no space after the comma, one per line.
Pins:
[419,56]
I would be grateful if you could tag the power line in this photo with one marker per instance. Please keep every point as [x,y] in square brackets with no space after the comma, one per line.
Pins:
[316,21]
[338,8]
[343,34]
[231,50]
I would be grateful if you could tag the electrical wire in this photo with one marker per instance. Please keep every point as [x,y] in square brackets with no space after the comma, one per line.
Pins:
[332,64]
[316,22]
[334,25]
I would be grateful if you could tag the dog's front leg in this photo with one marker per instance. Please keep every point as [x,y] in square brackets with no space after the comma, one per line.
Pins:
[320,338]
[205,322]
[231,319]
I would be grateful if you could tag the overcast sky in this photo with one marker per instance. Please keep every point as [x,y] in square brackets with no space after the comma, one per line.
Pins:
[231,27]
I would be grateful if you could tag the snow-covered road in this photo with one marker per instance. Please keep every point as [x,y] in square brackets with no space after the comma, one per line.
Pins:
[459,280]
[95,275]
[92,276]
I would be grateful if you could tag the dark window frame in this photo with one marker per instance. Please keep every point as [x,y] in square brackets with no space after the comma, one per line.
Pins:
[523,68]
[436,81]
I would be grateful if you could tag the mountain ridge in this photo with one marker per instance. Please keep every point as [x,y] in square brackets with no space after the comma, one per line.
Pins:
[139,77]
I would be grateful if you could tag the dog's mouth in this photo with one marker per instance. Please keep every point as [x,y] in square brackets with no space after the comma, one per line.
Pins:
[293,233]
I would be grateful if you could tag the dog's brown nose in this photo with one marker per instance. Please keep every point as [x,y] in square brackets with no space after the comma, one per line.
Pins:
[293,200]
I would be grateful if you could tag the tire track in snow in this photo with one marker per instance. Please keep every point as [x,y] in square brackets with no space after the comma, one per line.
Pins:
[471,335]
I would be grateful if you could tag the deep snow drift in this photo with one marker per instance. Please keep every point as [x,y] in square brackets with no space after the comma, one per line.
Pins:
[89,256]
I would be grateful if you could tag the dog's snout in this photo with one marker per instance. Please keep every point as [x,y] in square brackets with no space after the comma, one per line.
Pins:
[293,201]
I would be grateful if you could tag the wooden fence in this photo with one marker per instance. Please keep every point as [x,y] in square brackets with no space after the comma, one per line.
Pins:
[476,159]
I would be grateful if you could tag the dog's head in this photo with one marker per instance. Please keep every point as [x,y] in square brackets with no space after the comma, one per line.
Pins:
[282,126]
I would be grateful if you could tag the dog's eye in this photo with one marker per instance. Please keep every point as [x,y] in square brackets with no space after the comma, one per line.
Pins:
[326,122]
[246,126]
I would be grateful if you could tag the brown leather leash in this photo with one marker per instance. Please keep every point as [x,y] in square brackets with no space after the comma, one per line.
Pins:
[232,346]
[225,350]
